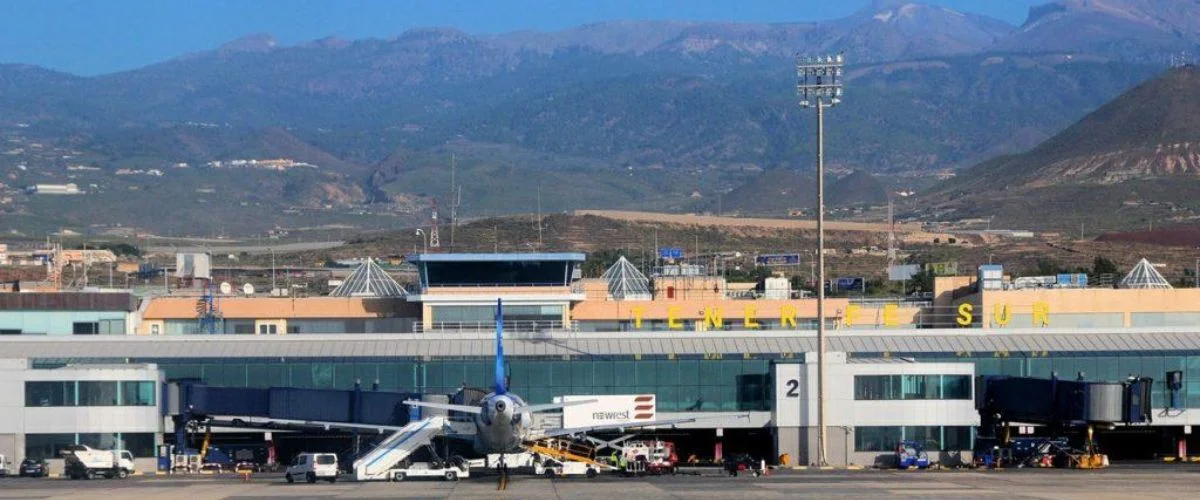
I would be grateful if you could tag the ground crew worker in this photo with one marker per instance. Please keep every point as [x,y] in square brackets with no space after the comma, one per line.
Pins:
[621,462]
[614,458]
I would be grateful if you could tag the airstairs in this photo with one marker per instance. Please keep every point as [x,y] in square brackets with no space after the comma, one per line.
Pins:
[374,466]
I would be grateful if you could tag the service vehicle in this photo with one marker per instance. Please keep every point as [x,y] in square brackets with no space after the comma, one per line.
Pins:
[657,457]
[312,467]
[737,464]
[451,470]
[911,454]
[84,462]
[552,467]
[34,467]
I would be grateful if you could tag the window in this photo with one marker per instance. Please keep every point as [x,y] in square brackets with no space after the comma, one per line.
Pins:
[85,328]
[137,393]
[956,387]
[154,329]
[933,438]
[919,386]
[878,438]
[243,328]
[140,444]
[911,387]
[98,393]
[268,329]
[326,459]
[57,393]
[47,446]
[9,332]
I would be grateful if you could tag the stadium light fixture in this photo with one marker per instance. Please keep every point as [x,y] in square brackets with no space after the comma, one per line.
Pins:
[819,85]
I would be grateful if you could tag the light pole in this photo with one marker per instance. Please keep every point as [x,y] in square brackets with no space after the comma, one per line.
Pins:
[272,270]
[424,242]
[819,85]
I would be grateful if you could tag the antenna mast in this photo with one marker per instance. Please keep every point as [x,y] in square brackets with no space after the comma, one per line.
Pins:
[455,197]
[434,241]
[891,252]
[539,215]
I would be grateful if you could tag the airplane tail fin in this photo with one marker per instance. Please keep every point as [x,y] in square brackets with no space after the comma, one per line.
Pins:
[501,373]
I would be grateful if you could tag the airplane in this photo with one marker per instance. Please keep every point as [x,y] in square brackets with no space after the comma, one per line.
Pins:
[502,418]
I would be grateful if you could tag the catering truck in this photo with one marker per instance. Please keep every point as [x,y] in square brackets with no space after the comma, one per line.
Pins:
[83,462]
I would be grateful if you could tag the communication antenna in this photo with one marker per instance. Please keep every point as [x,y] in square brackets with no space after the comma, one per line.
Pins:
[248,289]
[891,254]
[226,288]
[434,241]
[455,198]
[539,215]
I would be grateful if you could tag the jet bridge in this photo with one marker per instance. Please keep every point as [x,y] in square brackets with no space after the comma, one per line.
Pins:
[1070,410]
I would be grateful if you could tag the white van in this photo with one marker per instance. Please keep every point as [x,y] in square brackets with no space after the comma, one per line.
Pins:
[313,466]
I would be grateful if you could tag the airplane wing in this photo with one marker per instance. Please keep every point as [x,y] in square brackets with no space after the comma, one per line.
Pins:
[621,427]
[445,406]
[556,406]
[607,427]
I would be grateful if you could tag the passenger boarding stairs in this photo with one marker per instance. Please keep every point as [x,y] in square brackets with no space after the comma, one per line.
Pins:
[374,466]
[567,450]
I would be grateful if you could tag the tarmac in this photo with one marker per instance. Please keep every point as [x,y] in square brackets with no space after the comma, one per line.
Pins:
[1161,481]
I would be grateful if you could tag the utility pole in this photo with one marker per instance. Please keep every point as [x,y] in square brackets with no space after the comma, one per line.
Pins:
[819,85]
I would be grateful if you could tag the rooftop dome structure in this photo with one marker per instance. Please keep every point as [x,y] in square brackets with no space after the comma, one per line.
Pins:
[625,282]
[1144,275]
[368,280]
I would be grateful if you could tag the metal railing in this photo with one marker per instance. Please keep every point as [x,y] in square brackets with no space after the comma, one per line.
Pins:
[518,326]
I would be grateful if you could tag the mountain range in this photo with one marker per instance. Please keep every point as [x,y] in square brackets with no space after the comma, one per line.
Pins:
[1133,162]
[622,114]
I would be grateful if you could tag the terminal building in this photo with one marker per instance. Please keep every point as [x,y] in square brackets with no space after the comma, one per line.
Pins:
[899,369]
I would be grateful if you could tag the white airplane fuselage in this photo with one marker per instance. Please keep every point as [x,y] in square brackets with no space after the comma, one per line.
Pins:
[501,426]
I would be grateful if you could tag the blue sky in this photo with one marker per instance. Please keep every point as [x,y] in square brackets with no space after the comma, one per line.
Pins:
[90,37]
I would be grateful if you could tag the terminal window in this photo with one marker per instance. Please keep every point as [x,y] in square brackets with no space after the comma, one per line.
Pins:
[932,437]
[541,273]
[85,328]
[89,393]
[911,387]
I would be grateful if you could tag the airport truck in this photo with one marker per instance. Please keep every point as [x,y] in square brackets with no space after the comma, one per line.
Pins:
[83,462]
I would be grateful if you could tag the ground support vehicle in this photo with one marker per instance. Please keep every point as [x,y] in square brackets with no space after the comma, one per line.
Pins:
[910,454]
[83,462]
[451,470]
[312,467]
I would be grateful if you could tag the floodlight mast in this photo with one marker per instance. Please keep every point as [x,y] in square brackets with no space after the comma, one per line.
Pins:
[819,85]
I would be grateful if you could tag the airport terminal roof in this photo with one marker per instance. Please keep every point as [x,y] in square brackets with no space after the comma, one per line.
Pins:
[436,345]
[497,257]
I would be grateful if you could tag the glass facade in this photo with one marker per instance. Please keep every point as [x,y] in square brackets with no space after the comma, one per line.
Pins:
[140,444]
[487,314]
[716,382]
[89,393]
[680,384]
[903,387]
[934,438]
[333,325]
